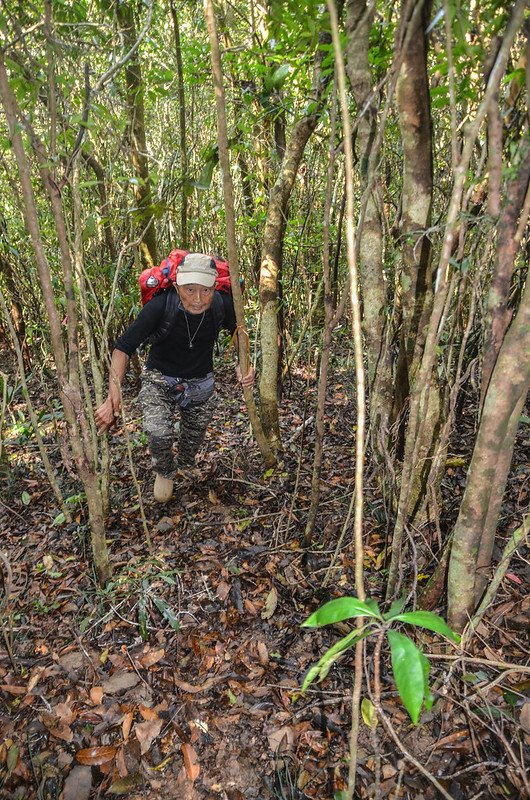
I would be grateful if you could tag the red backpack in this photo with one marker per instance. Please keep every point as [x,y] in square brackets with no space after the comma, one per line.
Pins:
[157,279]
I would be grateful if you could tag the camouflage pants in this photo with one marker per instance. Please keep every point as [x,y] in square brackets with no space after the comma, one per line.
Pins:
[159,404]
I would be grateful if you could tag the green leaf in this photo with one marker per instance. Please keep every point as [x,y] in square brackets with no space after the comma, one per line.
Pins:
[167,613]
[12,758]
[279,75]
[26,499]
[340,609]
[83,625]
[395,609]
[205,178]
[368,712]
[409,668]
[426,619]
[142,619]
[428,697]
[126,785]
[59,519]
[324,664]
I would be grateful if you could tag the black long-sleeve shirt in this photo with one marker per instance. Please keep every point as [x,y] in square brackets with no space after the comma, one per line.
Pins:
[173,356]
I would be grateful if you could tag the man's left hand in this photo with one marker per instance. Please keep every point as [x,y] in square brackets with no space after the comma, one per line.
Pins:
[247,381]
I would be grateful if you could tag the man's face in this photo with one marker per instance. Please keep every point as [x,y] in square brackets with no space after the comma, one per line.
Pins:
[196,298]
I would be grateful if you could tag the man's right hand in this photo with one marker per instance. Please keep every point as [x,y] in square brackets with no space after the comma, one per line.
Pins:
[106,415]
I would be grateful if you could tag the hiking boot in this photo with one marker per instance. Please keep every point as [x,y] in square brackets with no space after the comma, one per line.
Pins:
[163,489]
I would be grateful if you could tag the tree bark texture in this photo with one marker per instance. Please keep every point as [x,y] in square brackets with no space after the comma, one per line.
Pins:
[17,317]
[138,145]
[182,129]
[99,172]
[413,102]
[359,18]
[228,192]
[420,392]
[272,250]
[475,527]
[498,313]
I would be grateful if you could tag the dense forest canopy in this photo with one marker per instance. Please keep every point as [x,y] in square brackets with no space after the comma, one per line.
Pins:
[365,168]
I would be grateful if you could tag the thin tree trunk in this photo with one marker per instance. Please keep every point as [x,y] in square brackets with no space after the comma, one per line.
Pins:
[351,251]
[224,160]
[93,363]
[138,145]
[331,321]
[67,364]
[359,18]
[475,527]
[32,415]
[99,172]
[182,129]
[413,102]
[498,314]
[16,315]
[272,250]
[420,394]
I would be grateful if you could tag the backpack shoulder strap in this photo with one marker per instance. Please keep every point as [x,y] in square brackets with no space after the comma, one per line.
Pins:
[218,310]
[171,310]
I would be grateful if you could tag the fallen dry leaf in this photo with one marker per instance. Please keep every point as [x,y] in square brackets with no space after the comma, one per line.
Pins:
[212,497]
[120,681]
[78,784]
[282,740]
[18,690]
[127,724]
[203,687]
[524,717]
[453,740]
[146,732]
[57,728]
[190,761]
[96,695]
[270,604]
[148,713]
[65,713]
[35,678]
[263,654]
[95,756]
[223,590]
[151,658]
[121,766]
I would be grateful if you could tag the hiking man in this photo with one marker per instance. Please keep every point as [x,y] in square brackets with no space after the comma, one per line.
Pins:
[179,368]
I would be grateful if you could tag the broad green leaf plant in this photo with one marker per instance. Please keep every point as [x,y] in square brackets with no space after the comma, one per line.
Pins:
[409,665]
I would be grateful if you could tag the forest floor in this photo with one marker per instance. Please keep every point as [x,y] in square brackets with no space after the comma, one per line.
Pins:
[181,678]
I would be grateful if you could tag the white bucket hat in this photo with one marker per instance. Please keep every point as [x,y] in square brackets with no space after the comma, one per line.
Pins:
[197,268]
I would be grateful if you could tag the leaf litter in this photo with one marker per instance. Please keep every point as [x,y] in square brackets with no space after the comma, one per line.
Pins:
[181,679]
